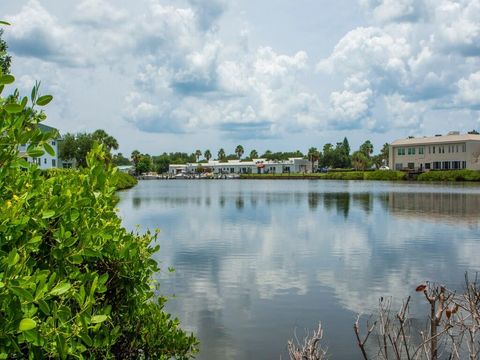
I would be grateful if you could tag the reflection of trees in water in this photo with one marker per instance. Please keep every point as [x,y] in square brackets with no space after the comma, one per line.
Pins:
[340,201]
[364,201]
[239,202]
[313,200]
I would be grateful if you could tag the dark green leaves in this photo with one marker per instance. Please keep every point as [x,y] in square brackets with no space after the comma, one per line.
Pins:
[44,100]
[4,22]
[13,108]
[60,289]
[6,79]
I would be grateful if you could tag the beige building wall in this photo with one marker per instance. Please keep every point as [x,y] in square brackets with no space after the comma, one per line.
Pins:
[449,152]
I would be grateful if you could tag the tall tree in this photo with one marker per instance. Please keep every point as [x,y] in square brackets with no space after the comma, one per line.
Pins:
[119,160]
[135,156]
[207,155]
[360,161]
[367,148]
[198,153]
[76,147]
[313,155]
[253,154]
[239,151]
[5,59]
[346,146]
[221,154]
[107,140]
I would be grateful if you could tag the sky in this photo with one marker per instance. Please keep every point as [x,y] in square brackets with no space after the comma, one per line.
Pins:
[282,75]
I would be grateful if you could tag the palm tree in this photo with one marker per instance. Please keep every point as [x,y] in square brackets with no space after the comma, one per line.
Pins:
[207,155]
[367,148]
[239,151]
[253,154]
[221,154]
[198,153]
[136,156]
[313,155]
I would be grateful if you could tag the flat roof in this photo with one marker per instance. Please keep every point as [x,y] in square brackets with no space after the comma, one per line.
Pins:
[437,139]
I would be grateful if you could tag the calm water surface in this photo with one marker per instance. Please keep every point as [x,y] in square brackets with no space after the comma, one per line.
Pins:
[256,260]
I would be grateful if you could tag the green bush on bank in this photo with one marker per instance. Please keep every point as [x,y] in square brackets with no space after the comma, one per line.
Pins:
[73,282]
[387,175]
[450,175]
[125,181]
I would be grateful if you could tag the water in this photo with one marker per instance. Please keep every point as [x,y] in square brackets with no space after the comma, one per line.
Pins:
[257,260]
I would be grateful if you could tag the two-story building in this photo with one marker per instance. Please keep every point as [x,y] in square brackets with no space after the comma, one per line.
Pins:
[46,161]
[440,152]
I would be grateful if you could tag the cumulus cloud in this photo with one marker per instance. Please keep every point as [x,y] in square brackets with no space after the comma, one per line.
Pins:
[39,34]
[469,91]
[416,56]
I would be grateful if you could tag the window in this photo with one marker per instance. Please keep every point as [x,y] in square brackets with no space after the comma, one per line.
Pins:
[411,166]
[464,164]
[427,166]
[398,166]
[53,143]
[456,149]
[420,150]
[429,149]
[54,163]
[464,147]
[437,165]
[401,151]
[45,160]
[446,165]
[433,149]
[411,151]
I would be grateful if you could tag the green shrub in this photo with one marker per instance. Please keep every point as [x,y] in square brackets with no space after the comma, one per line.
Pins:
[73,282]
[450,175]
[125,181]
[387,175]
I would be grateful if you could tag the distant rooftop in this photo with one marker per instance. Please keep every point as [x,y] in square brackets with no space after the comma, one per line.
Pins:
[451,137]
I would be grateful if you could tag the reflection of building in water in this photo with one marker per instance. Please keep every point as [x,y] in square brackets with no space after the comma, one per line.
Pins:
[436,206]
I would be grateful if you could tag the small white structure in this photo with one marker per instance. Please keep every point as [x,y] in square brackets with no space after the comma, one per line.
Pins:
[46,161]
[256,166]
[441,152]
[125,168]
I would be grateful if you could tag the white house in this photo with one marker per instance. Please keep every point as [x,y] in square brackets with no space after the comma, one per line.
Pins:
[256,166]
[46,161]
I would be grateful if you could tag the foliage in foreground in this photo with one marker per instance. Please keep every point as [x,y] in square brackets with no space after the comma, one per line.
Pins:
[73,282]
[450,175]
[451,332]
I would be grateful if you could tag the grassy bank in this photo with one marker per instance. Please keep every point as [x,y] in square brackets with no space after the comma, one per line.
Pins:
[450,175]
[346,175]
[125,181]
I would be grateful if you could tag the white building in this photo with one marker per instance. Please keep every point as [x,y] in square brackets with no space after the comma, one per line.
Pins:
[256,166]
[46,161]
[440,152]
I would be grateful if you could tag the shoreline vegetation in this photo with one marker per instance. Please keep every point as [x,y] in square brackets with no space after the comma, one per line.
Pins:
[379,175]
[125,181]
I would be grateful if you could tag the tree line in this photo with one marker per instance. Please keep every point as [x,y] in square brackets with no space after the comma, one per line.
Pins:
[75,147]
[331,156]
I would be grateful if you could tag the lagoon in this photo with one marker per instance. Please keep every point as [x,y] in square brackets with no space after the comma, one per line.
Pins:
[257,260]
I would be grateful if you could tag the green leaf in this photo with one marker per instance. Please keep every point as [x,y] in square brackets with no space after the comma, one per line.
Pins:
[22,293]
[47,214]
[4,22]
[27,324]
[13,258]
[96,319]
[86,339]
[60,289]
[49,149]
[6,79]
[43,306]
[13,108]
[74,215]
[44,100]
[35,152]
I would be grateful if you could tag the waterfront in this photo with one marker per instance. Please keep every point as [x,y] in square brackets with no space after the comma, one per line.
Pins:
[255,259]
